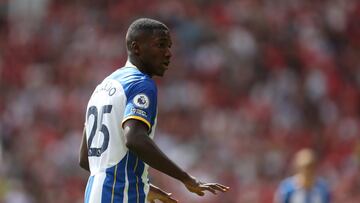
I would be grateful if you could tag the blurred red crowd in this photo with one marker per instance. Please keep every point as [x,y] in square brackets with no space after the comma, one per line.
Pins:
[250,83]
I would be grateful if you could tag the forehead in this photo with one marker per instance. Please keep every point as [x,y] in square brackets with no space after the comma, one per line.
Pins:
[160,34]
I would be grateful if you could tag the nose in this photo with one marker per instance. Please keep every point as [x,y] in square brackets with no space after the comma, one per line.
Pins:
[168,53]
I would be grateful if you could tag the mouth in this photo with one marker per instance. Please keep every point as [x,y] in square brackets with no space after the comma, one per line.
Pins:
[166,64]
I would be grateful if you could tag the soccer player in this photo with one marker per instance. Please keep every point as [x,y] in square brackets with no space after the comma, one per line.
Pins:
[117,146]
[304,186]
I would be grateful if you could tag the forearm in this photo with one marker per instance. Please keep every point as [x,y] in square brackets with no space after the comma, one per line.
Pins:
[138,141]
[146,150]
[83,154]
[84,165]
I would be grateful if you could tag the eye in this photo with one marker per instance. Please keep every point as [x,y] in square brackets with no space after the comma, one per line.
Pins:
[162,45]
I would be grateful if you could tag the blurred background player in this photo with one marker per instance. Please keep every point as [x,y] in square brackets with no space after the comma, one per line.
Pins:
[305,186]
[120,125]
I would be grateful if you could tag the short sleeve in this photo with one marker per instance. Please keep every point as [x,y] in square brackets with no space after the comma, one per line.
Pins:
[284,191]
[141,103]
[279,196]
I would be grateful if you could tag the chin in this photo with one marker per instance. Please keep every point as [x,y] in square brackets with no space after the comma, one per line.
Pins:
[160,73]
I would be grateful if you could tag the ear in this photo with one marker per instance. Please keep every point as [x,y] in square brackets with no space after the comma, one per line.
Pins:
[135,47]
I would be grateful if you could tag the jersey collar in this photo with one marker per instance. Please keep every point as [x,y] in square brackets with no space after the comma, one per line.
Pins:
[129,64]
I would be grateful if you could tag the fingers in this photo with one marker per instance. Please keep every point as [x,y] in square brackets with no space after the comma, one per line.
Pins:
[200,193]
[168,199]
[200,187]
[197,190]
[217,186]
[209,188]
[223,186]
[212,187]
[171,200]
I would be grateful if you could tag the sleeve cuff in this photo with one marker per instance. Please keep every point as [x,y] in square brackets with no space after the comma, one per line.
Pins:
[136,118]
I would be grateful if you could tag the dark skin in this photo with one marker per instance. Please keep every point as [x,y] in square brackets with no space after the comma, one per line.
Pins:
[151,54]
[83,158]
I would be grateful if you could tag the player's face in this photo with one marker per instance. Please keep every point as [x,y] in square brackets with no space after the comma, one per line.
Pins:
[156,52]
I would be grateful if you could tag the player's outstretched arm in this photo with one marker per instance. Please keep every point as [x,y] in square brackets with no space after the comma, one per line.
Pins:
[156,193]
[138,141]
[83,154]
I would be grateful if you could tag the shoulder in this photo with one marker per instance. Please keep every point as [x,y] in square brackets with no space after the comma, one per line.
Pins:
[287,185]
[132,79]
[285,190]
[322,184]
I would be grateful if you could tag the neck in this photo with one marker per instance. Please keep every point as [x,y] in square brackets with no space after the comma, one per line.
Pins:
[137,62]
[305,180]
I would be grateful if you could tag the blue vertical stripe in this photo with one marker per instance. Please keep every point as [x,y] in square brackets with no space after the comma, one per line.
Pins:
[107,186]
[88,189]
[308,194]
[114,183]
[119,186]
[287,197]
[288,189]
[133,182]
[135,170]
[322,187]
[139,172]
[327,197]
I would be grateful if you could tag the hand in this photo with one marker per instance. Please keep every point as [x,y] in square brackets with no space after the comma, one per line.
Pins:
[198,187]
[156,193]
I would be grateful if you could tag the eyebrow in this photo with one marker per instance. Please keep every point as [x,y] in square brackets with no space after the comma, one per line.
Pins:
[161,39]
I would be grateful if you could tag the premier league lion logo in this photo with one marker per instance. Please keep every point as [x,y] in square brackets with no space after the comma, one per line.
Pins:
[141,100]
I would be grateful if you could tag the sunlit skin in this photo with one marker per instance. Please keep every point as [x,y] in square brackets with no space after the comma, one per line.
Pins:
[151,52]
[305,165]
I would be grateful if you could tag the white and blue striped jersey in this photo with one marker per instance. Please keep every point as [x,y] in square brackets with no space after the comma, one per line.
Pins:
[117,174]
[290,192]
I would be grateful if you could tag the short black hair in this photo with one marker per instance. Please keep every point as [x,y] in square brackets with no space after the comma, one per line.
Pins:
[141,26]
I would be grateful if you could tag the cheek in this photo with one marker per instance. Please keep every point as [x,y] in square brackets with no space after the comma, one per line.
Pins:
[156,56]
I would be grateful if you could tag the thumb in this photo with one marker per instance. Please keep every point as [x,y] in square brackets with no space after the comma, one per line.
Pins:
[200,193]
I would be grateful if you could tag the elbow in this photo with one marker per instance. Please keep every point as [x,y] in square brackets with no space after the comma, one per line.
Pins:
[81,163]
[133,143]
[84,166]
[84,163]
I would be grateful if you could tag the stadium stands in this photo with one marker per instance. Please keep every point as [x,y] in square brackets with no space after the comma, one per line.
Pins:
[250,83]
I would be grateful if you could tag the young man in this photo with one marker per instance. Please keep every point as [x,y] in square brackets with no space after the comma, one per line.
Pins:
[304,186]
[120,124]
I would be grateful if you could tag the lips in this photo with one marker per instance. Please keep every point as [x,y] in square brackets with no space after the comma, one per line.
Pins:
[166,63]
